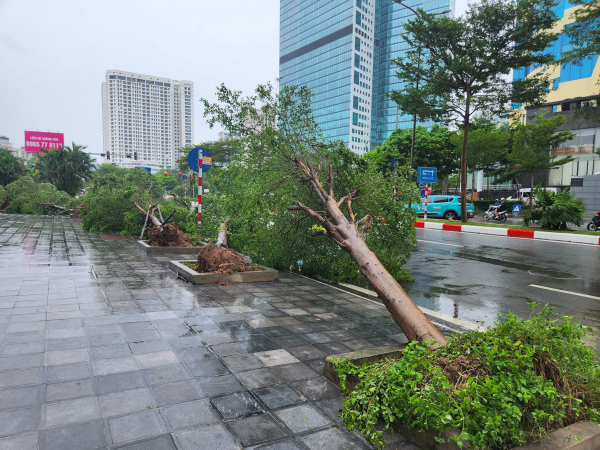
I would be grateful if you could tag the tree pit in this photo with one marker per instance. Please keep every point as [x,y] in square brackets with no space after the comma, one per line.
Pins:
[221,260]
[170,236]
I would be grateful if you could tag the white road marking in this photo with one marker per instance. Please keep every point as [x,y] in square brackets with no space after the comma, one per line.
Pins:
[441,243]
[564,292]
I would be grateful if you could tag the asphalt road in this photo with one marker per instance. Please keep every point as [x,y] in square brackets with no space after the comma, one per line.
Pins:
[475,277]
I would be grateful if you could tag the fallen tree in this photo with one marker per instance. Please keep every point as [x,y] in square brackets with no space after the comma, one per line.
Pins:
[298,166]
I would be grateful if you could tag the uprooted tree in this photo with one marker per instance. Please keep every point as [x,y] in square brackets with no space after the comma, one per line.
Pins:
[288,167]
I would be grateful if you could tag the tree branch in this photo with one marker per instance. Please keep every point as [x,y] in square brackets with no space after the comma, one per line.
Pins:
[329,227]
[364,230]
[331,180]
[317,233]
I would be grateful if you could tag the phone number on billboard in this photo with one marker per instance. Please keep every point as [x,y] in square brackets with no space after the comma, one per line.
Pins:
[42,144]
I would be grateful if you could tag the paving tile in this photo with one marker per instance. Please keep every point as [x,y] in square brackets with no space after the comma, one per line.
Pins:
[19,421]
[291,340]
[144,335]
[22,442]
[207,438]
[241,363]
[20,377]
[106,339]
[207,368]
[166,374]
[238,404]
[182,391]
[287,444]
[194,354]
[316,388]
[260,344]
[19,397]
[63,333]
[216,338]
[20,349]
[63,413]
[68,372]
[307,352]
[331,439]
[67,357]
[316,364]
[293,372]
[191,414]
[228,349]
[80,436]
[185,342]
[111,351]
[21,361]
[69,390]
[117,382]
[302,418]
[276,357]
[114,365]
[125,402]
[256,429]
[275,331]
[255,379]
[333,348]
[245,334]
[278,396]
[332,407]
[225,384]
[135,426]
[66,344]
[157,359]
[139,348]
[164,442]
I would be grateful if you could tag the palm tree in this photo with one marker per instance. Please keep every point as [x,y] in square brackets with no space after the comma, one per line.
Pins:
[11,167]
[65,168]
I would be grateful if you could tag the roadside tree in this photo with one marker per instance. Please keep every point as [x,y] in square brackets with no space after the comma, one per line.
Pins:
[11,167]
[459,66]
[532,147]
[288,167]
[66,168]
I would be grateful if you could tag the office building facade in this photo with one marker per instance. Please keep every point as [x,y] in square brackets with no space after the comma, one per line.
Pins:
[574,86]
[341,49]
[146,117]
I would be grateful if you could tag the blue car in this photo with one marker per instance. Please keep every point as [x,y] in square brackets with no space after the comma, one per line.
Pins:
[443,207]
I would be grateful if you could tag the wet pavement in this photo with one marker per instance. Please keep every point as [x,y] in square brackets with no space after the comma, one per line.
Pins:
[102,347]
[475,277]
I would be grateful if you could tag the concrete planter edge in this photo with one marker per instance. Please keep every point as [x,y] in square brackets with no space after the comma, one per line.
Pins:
[266,274]
[578,436]
[149,250]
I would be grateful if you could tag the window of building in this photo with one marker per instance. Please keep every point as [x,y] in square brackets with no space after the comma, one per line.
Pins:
[357,43]
[356,77]
[354,118]
[356,60]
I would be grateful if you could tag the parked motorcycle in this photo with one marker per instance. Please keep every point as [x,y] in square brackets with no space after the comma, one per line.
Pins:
[594,225]
[489,214]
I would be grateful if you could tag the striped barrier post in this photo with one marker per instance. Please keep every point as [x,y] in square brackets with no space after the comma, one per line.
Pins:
[199,187]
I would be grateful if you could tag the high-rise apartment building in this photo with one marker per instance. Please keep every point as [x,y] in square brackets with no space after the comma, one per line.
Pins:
[341,49]
[146,117]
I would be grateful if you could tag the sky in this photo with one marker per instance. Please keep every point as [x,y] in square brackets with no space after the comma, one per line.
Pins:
[54,56]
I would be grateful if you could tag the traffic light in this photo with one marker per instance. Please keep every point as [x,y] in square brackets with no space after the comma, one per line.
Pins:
[135,155]
[108,155]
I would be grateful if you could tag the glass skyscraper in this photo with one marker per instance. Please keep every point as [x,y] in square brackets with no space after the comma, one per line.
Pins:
[341,49]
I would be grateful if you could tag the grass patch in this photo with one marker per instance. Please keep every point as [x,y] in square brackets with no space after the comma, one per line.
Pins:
[516,227]
[501,388]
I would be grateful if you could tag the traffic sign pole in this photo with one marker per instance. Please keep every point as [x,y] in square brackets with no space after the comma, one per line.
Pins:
[199,188]
[425,213]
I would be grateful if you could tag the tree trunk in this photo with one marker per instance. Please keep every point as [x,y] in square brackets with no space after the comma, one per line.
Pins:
[488,188]
[531,192]
[463,164]
[349,235]
[519,196]
[222,236]
[473,185]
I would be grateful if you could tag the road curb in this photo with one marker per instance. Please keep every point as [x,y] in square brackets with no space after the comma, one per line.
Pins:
[496,231]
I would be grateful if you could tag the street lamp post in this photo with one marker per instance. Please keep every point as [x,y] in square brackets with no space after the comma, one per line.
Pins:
[414,128]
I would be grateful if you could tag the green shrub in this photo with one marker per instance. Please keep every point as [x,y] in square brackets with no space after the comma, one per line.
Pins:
[29,197]
[555,211]
[501,388]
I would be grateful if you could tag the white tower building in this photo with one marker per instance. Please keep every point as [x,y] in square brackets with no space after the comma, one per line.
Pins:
[146,117]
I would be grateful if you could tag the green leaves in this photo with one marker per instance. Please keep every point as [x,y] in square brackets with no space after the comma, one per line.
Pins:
[66,168]
[522,378]
[11,167]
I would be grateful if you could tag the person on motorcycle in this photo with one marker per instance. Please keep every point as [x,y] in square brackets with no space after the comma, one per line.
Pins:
[503,207]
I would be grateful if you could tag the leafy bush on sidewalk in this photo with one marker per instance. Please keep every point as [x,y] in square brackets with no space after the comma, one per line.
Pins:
[555,211]
[501,388]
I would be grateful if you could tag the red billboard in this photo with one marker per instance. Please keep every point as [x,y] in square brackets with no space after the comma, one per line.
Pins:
[36,141]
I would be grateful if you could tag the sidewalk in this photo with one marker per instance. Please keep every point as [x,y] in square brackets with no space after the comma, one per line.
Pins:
[102,347]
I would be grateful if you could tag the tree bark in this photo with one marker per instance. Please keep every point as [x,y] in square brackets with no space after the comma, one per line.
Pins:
[531,192]
[349,235]
[463,163]
[155,221]
[222,236]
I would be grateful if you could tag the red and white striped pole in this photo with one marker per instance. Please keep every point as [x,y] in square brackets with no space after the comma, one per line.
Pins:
[199,187]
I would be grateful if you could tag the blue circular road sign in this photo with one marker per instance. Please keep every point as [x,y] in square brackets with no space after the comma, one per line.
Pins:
[193,159]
